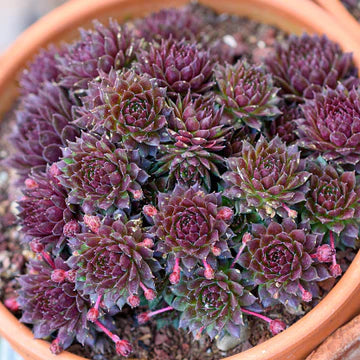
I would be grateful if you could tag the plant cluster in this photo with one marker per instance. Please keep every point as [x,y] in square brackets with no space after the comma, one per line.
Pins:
[157,175]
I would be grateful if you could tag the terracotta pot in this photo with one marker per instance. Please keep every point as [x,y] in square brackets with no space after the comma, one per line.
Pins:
[336,9]
[342,302]
[343,344]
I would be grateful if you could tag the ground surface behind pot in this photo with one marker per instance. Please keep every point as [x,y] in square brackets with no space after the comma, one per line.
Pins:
[343,344]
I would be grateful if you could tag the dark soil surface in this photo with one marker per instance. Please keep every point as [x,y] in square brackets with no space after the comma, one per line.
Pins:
[249,39]
[12,254]
[169,343]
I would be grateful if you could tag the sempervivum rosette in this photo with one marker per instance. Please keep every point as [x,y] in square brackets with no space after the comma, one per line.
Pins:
[43,209]
[284,125]
[212,305]
[235,143]
[99,175]
[99,50]
[176,23]
[197,134]
[331,125]
[333,202]
[114,262]
[192,226]
[267,177]
[305,65]
[53,305]
[188,166]
[43,126]
[247,93]
[42,69]
[280,262]
[178,65]
[127,105]
[197,122]
[185,23]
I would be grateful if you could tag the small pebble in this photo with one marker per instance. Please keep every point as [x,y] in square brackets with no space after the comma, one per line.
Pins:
[261,44]
[4,176]
[230,40]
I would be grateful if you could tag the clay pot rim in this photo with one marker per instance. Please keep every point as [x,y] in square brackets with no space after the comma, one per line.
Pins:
[288,16]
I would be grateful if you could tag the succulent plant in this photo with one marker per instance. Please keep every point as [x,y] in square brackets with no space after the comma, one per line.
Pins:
[43,126]
[41,70]
[333,201]
[197,123]
[178,65]
[43,210]
[212,305]
[170,23]
[267,177]
[247,93]
[53,306]
[188,166]
[196,133]
[280,262]
[99,175]
[128,105]
[284,126]
[114,262]
[331,126]
[99,50]
[305,65]
[235,143]
[190,225]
